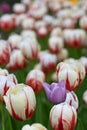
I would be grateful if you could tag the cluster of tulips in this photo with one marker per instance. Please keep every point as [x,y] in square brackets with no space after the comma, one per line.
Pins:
[50,24]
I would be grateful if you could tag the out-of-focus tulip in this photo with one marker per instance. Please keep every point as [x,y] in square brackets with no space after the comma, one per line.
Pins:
[14,41]
[83,23]
[48,61]
[5,83]
[42,32]
[55,44]
[54,6]
[35,126]
[28,23]
[74,38]
[20,102]
[83,60]
[85,97]
[63,54]
[4,72]
[72,72]
[35,79]
[17,60]
[72,100]
[4,52]
[19,8]
[28,33]
[63,117]
[68,23]
[38,9]
[6,22]
[29,48]
[5,7]
[57,31]
[56,92]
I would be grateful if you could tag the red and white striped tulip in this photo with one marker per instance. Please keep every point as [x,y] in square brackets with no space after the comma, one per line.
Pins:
[83,60]
[6,22]
[14,41]
[83,23]
[84,98]
[72,72]
[5,83]
[72,99]
[63,117]
[17,60]
[4,52]
[4,72]
[28,23]
[29,48]
[35,126]
[74,38]
[55,44]
[35,79]
[48,61]
[20,102]
[19,8]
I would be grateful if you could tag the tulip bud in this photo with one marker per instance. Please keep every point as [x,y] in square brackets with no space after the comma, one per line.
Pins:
[55,44]
[72,72]
[17,60]
[35,78]
[48,61]
[6,22]
[56,92]
[5,83]
[28,23]
[29,48]
[74,38]
[35,126]
[63,117]
[4,72]
[4,52]
[83,60]
[20,102]
[19,8]
[85,97]
[42,32]
[14,41]
[83,23]
[72,99]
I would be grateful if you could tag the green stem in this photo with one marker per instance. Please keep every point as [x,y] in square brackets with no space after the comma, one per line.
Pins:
[2,115]
[10,124]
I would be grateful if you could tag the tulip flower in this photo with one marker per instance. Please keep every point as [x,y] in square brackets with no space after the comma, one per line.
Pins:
[47,60]
[83,60]
[4,52]
[72,99]
[85,97]
[35,79]
[56,92]
[20,102]
[74,38]
[5,83]
[6,22]
[17,60]
[35,126]
[55,44]
[4,72]
[72,72]
[14,40]
[29,48]
[19,8]
[28,23]
[63,117]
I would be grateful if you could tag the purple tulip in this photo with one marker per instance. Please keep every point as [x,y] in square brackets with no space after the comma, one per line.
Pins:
[5,8]
[56,92]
